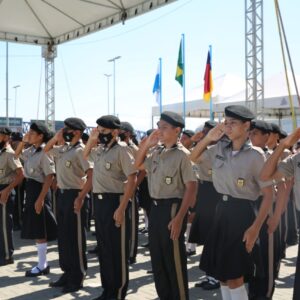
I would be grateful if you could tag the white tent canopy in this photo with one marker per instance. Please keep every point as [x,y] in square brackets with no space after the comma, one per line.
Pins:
[46,22]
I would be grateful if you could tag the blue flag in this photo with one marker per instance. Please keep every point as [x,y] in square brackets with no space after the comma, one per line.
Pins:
[157,85]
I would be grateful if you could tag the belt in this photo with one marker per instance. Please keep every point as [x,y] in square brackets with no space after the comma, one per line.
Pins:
[100,196]
[230,198]
[69,190]
[158,202]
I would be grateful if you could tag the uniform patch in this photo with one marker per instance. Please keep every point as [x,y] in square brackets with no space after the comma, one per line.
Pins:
[240,182]
[107,165]
[68,164]
[168,180]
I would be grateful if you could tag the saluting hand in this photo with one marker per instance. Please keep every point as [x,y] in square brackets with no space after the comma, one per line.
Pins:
[119,216]
[38,205]
[94,134]
[153,139]
[26,138]
[175,228]
[291,139]
[250,237]
[216,133]
[4,194]
[59,135]
[197,137]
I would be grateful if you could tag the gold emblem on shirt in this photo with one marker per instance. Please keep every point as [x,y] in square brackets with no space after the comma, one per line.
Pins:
[168,180]
[68,164]
[107,166]
[240,182]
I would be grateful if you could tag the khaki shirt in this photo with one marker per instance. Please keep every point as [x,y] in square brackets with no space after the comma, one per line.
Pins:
[168,171]
[290,167]
[37,164]
[8,165]
[112,166]
[71,167]
[204,170]
[134,148]
[237,175]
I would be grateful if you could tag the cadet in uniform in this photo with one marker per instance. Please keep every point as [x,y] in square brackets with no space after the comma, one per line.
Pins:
[172,186]
[39,223]
[11,174]
[74,181]
[114,179]
[126,134]
[236,166]
[205,208]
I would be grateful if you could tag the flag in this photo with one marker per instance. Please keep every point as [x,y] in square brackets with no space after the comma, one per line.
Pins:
[157,85]
[180,66]
[208,83]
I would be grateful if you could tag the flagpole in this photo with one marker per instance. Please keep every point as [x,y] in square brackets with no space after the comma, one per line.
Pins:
[183,77]
[160,86]
[210,102]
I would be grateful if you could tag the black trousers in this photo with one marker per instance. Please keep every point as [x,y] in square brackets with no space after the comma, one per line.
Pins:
[6,229]
[113,246]
[133,210]
[71,237]
[168,257]
[296,295]
[18,205]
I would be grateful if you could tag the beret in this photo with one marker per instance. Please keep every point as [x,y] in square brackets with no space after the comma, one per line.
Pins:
[16,136]
[85,136]
[261,125]
[172,118]
[40,128]
[75,124]
[275,128]
[239,112]
[210,124]
[5,130]
[109,121]
[149,131]
[283,134]
[188,132]
[126,126]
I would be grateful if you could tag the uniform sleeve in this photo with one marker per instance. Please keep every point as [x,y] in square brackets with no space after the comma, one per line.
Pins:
[24,154]
[47,165]
[86,164]
[93,154]
[287,166]
[54,152]
[187,169]
[209,154]
[257,166]
[13,162]
[127,161]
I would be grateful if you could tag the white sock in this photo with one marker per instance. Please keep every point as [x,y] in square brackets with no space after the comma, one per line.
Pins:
[225,291]
[42,255]
[187,234]
[239,293]
[146,219]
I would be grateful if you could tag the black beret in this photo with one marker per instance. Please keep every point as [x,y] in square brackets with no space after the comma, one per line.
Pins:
[75,124]
[210,124]
[85,136]
[109,121]
[172,118]
[5,130]
[239,112]
[126,126]
[188,132]
[16,136]
[283,134]
[261,125]
[275,128]
[40,128]
[149,131]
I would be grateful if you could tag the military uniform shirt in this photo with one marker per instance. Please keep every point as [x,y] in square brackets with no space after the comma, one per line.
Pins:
[71,167]
[37,164]
[204,170]
[112,166]
[168,171]
[134,148]
[290,167]
[8,165]
[236,175]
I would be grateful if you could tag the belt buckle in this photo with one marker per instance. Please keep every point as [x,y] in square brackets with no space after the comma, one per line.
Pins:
[155,202]
[62,191]
[100,197]
[225,198]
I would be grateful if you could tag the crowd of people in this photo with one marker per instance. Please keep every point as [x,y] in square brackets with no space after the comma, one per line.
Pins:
[232,187]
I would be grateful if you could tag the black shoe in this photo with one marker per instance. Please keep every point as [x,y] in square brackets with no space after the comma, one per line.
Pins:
[211,285]
[132,260]
[41,272]
[146,245]
[103,296]
[93,251]
[71,288]
[202,282]
[7,262]
[190,252]
[144,231]
[150,272]
[61,282]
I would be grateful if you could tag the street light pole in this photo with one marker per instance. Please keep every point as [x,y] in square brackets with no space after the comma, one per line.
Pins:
[16,88]
[7,117]
[114,74]
[107,76]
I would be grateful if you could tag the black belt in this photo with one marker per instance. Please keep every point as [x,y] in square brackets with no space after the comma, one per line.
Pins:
[68,190]
[100,196]
[166,201]
[226,198]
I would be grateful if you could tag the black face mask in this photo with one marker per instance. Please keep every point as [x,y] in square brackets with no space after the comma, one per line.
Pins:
[122,136]
[68,136]
[2,144]
[105,138]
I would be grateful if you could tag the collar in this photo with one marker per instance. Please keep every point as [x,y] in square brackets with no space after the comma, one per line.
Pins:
[247,145]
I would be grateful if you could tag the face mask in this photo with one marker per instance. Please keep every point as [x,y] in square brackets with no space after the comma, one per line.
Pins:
[2,144]
[105,138]
[122,136]
[68,136]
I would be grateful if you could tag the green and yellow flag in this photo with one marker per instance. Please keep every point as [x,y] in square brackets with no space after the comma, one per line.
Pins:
[180,66]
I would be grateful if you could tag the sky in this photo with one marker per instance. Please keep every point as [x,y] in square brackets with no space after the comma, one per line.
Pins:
[81,87]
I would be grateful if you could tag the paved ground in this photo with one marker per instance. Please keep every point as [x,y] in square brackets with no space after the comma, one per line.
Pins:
[13,284]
